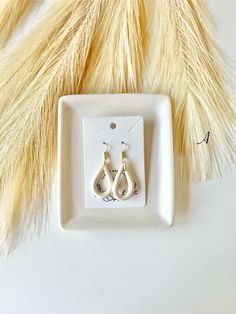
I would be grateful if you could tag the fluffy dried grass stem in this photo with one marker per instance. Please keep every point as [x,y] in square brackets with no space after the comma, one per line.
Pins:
[11,13]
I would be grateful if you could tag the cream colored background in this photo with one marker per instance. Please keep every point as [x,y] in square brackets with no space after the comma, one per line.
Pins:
[187,269]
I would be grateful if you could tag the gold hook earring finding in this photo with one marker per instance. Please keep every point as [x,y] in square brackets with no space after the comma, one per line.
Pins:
[105,153]
[123,153]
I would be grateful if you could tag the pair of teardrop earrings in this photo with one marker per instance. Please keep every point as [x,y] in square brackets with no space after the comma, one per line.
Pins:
[113,185]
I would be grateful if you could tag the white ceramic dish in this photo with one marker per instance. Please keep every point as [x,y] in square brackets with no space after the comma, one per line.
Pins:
[156,112]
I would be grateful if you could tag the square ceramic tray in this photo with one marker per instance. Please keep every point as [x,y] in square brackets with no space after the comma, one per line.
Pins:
[156,112]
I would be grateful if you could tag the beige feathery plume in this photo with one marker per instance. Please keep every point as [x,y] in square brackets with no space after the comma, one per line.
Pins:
[29,124]
[118,49]
[19,66]
[188,67]
[11,12]
[37,73]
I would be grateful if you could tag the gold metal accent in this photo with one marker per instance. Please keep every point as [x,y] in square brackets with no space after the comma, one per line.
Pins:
[105,156]
[123,155]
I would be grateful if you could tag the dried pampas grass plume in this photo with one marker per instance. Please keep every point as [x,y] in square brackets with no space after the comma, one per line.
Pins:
[188,67]
[36,74]
[29,123]
[118,49]
[11,12]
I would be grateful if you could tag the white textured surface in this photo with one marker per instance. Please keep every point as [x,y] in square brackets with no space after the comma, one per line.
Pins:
[187,269]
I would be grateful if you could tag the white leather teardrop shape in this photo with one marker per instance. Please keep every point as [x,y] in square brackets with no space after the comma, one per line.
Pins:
[130,190]
[103,169]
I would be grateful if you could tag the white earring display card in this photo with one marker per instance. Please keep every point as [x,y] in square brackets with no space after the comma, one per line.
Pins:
[144,123]
[108,133]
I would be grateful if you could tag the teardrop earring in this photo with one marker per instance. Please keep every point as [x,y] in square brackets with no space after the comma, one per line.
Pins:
[123,170]
[103,169]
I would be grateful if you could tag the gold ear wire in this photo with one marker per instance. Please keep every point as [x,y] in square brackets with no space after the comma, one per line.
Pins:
[123,153]
[123,170]
[106,153]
